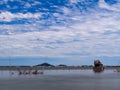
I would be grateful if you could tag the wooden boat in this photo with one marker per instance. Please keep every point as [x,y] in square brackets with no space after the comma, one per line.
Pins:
[98,66]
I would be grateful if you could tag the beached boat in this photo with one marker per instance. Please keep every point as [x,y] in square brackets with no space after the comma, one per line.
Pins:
[98,66]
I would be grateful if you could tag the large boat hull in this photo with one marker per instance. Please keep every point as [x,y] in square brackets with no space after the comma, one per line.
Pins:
[98,69]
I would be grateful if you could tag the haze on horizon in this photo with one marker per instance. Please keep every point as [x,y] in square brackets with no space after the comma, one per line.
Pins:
[59,31]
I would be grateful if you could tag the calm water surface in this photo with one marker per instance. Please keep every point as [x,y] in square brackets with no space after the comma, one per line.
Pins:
[61,80]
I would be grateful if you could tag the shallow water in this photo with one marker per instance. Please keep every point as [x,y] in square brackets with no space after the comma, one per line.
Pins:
[61,80]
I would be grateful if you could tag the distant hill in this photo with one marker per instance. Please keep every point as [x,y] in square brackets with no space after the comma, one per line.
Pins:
[62,65]
[45,64]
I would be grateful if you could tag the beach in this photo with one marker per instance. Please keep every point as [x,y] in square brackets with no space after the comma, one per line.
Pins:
[61,80]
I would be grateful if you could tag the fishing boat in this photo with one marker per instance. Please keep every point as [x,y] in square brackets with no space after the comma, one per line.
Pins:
[98,66]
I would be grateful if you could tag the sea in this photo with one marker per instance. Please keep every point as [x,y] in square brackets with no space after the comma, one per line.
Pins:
[61,80]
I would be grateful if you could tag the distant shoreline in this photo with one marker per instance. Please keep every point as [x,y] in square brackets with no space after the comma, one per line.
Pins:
[52,68]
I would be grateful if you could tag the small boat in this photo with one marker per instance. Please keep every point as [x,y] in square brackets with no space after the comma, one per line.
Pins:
[118,69]
[36,72]
[98,66]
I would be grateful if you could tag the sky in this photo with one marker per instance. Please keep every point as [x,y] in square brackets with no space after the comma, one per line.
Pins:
[72,32]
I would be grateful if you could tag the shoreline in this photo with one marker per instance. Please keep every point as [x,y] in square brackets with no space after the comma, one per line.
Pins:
[53,68]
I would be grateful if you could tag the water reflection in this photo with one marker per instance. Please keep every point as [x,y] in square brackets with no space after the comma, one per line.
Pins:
[61,80]
[15,74]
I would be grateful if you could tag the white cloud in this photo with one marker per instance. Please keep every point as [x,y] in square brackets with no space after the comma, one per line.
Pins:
[5,0]
[36,3]
[89,36]
[94,34]
[103,4]
[27,5]
[8,16]
[75,1]
[66,11]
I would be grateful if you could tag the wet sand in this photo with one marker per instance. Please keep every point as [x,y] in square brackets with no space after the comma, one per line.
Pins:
[63,80]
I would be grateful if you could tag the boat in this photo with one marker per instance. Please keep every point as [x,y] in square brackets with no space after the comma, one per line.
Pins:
[98,66]
[118,69]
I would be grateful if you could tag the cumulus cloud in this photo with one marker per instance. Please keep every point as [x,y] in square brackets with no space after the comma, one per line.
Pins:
[103,4]
[8,16]
[75,1]
[66,11]
[79,35]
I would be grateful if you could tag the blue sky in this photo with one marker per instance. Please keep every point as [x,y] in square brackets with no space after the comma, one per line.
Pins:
[73,32]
